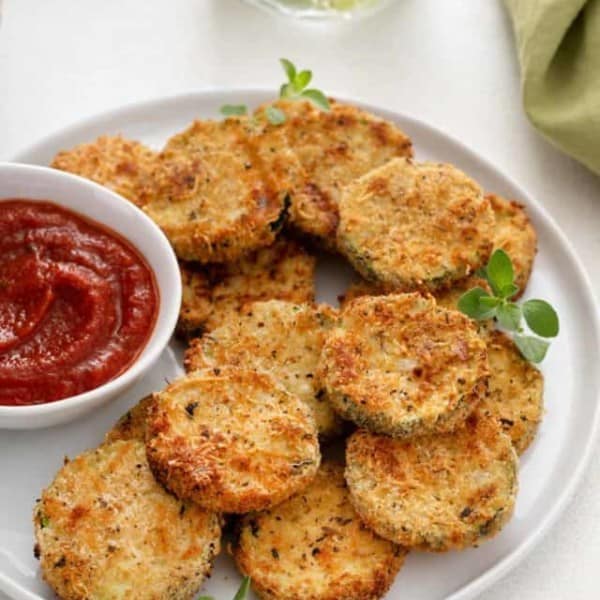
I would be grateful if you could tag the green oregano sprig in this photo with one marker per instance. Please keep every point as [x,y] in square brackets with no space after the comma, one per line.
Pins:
[295,88]
[539,315]
[241,594]
[234,110]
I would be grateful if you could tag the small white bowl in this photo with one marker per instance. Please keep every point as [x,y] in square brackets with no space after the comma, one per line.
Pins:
[107,208]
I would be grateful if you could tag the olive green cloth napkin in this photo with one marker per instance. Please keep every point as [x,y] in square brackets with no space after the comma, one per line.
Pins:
[559,50]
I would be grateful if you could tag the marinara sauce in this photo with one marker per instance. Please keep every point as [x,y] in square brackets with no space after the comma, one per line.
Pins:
[77,303]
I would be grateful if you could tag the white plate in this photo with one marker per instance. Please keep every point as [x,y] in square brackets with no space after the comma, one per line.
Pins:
[550,469]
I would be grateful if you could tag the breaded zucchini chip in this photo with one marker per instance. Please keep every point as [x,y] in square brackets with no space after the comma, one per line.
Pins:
[446,298]
[106,529]
[333,149]
[132,425]
[514,233]
[280,337]
[221,189]
[410,226]
[232,440]
[196,300]
[214,294]
[125,166]
[516,390]
[402,366]
[358,289]
[315,547]
[437,492]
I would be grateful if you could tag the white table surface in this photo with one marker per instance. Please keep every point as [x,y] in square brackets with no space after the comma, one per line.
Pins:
[451,63]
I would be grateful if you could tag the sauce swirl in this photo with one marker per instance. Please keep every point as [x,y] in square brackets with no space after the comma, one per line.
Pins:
[78,303]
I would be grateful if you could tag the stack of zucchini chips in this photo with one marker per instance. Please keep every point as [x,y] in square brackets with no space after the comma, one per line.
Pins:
[432,409]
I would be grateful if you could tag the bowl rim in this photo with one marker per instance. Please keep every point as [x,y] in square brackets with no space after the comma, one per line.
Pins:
[168,310]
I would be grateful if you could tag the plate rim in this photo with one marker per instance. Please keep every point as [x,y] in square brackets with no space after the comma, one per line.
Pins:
[500,569]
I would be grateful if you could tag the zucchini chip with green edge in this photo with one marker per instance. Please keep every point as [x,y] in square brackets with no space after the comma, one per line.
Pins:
[221,188]
[436,492]
[106,529]
[402,366]
[415,226]
[282,338]
[214,294]
[231,439]
[122,165]
[516,390]
[315,547]
[333,148]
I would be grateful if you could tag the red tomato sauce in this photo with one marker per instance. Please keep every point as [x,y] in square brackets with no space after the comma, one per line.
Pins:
[78,303]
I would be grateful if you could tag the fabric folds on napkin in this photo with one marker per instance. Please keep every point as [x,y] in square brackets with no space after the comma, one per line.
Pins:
[559,51]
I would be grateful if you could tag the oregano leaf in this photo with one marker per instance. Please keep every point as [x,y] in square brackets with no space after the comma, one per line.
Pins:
[509,316]
[499,271]
[532,348]
[317,97]
[243,591]
[234,110]
[508,291]
[289,68]
[275,115]
[541,318]
[302,80]
[470,304]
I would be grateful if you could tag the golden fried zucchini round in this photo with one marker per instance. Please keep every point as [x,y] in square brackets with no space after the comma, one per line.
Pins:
[214,294]
[402,366]
[125,166]
[282,338]
[132,425]
[231,439]
[196,299]
[358,289]
[446,297]
[315,547]
[106,529]
[412,226]
[221,190]
[437,492]
[333,148]
[514,233]
[516,390]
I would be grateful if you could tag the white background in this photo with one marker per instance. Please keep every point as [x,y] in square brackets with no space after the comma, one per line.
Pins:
[451,63]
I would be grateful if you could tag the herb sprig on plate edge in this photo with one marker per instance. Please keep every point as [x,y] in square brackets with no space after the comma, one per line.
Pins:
[241,594]
[540,316]
[295,88]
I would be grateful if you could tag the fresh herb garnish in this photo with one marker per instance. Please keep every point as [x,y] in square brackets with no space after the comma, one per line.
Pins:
[539,315]
[234,110]
[243,591]
[241,594]
[275,115]
[296,87]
